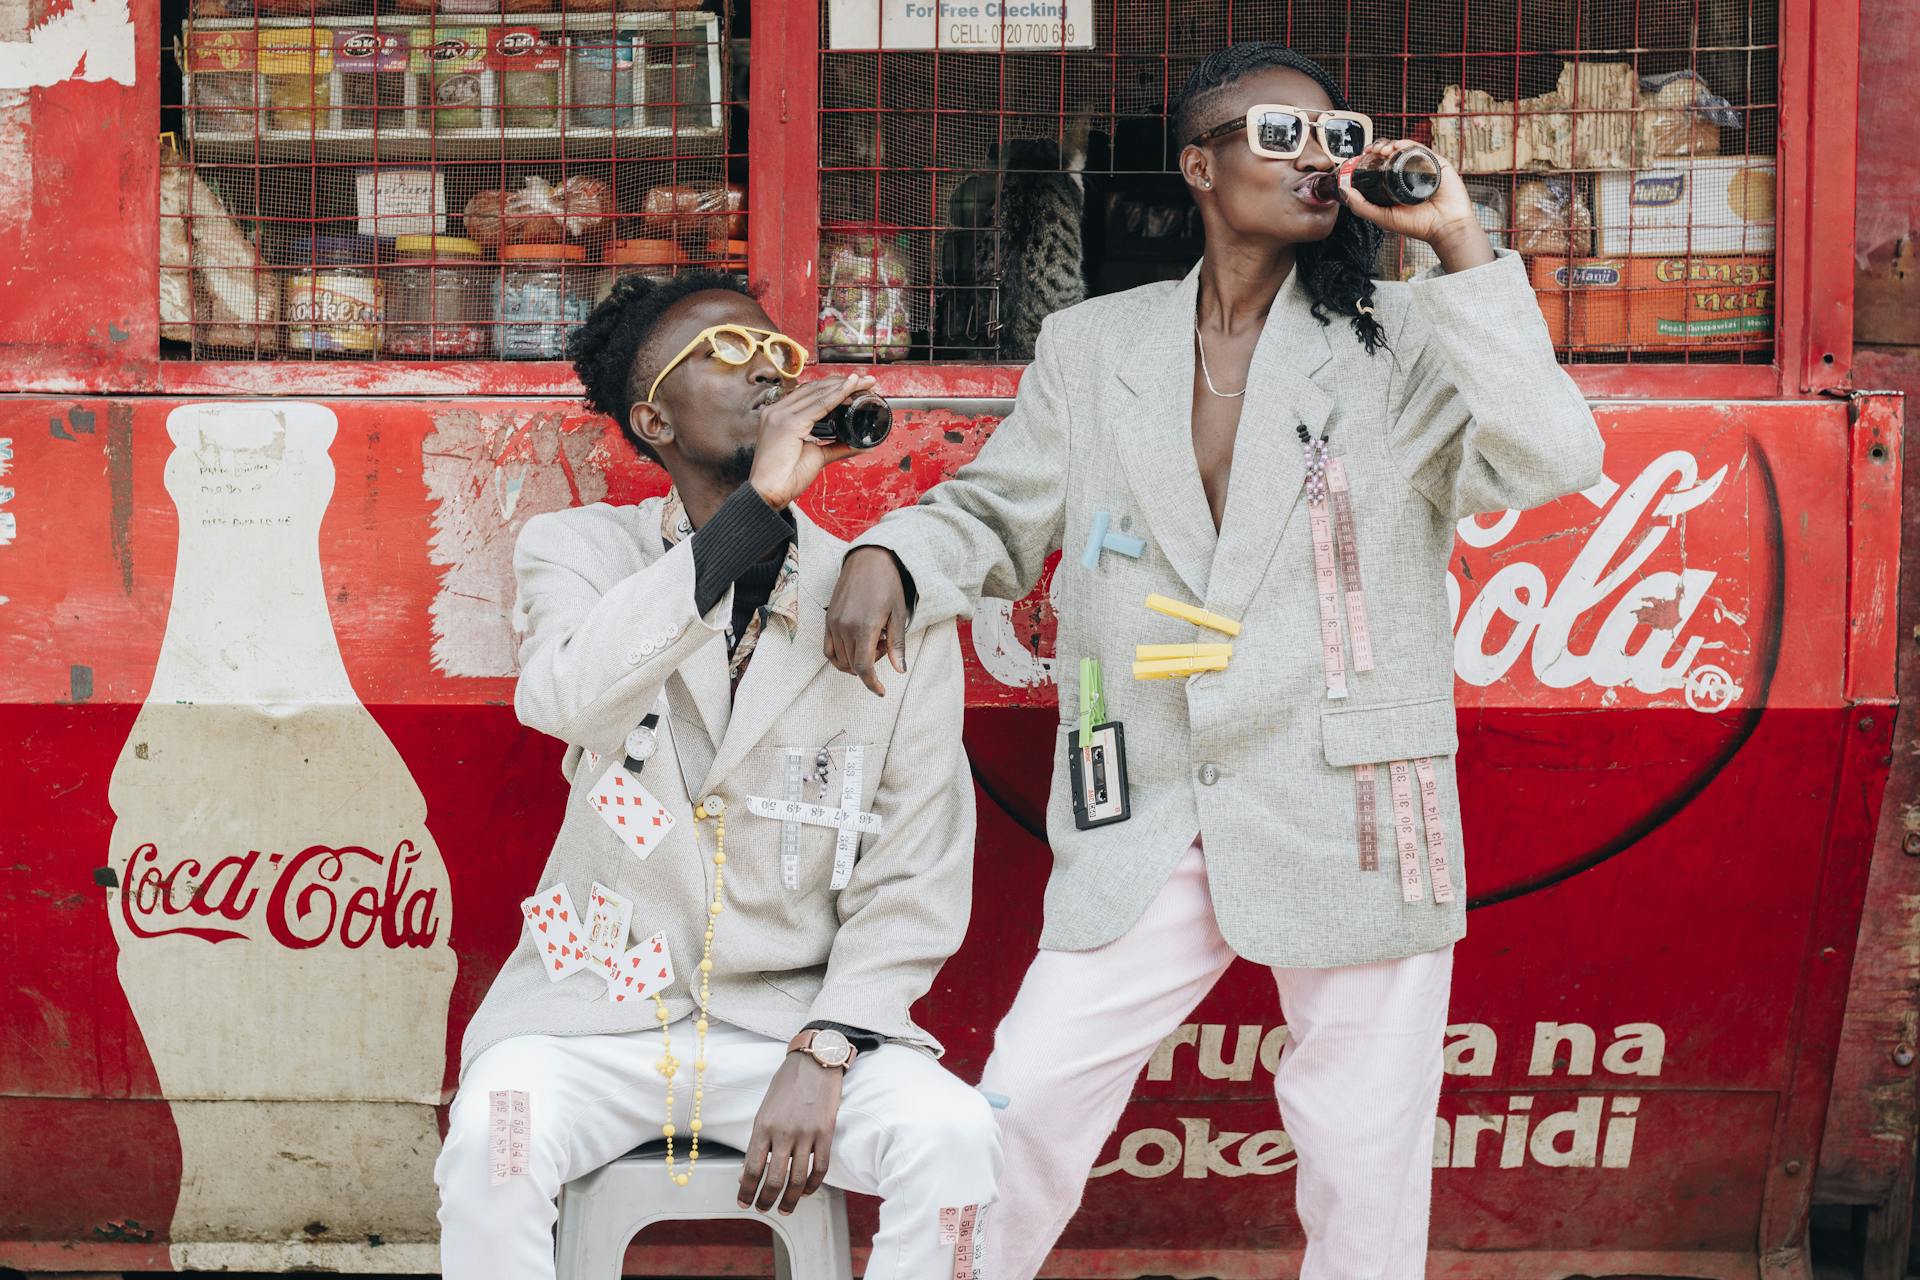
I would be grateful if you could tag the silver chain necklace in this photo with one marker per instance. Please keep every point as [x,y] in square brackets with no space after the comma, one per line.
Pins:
[1206,373]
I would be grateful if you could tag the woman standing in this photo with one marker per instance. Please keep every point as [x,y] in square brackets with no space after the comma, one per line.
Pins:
[1293,443]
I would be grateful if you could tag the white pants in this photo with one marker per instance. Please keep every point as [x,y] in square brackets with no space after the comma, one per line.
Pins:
[909,1132]
[1358,1083]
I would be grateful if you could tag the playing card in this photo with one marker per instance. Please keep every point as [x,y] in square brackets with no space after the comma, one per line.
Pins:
[643,971]
[629,810]
[608,915]
[559,937]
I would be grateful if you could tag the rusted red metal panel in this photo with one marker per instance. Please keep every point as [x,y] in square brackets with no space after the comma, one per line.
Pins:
[79,202]
[1867,1152]
[1665,780]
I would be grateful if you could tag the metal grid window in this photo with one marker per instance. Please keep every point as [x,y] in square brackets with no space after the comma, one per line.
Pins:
[1626,150]
[441,180]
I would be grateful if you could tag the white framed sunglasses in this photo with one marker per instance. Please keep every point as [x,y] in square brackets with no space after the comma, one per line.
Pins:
[1279,132]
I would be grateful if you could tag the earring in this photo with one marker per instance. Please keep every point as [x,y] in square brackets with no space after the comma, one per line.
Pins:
[1207,183]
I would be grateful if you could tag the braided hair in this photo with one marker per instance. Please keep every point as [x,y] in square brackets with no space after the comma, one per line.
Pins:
[607,349]
[1337,271]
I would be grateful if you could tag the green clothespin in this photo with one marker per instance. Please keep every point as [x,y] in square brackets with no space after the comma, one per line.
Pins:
[1093,700]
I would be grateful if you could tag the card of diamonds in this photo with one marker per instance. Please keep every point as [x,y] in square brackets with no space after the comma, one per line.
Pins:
[558,934]
[629,810]
[608,915]
[641,972]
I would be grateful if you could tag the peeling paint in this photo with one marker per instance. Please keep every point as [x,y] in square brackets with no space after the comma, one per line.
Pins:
[1662,614]
[90,40]
[9,527]
[488,473]
[120,488]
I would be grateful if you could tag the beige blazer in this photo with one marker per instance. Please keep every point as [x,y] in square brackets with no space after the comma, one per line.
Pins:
[610,635]
[1469,413]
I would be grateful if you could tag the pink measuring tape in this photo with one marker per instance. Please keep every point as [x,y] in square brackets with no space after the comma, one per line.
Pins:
[1436,835]
[1403,836]
[1347,549]
[1326,587]
[1366,817]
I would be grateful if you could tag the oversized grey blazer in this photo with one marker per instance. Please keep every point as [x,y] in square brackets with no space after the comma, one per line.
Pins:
[1469,413]
[610,631]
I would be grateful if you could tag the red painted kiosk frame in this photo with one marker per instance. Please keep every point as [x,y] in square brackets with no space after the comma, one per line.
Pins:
[79,317]
[120,350]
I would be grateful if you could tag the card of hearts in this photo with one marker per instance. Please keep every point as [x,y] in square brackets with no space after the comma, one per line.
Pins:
[646,970]
[629,810]
[558,934]
[608,915]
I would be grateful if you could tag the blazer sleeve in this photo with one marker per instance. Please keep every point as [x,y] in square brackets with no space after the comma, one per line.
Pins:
[1483,418]
[596,655]
[989,530]
[906,908]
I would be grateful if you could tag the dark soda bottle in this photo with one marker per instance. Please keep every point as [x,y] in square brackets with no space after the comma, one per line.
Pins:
[1410,176]
[863,422]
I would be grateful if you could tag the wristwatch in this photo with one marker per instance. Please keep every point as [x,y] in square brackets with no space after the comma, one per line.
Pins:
[825,1046]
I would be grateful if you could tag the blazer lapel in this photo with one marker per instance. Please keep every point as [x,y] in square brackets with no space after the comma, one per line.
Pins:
[698,693]
[1156,446]
[782,666]
[1268,472]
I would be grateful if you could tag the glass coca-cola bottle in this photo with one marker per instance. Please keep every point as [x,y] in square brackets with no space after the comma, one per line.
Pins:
[1408,176]
[282,912]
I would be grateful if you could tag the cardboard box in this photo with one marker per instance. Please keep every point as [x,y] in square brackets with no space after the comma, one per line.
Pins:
[1602,304]
[1711,205]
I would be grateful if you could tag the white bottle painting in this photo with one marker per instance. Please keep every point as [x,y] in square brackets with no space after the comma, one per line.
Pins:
[283,914]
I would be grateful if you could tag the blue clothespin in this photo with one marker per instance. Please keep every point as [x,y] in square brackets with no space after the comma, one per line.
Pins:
[1098,540]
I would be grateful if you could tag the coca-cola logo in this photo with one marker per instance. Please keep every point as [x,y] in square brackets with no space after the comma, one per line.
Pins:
[300,900]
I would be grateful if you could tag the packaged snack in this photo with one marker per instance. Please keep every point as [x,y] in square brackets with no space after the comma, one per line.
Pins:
[1551,217]
[696,214]
[1680,116]
[863,310]
[539,212]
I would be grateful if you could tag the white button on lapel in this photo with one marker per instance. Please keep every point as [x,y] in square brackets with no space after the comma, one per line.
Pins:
[634,657]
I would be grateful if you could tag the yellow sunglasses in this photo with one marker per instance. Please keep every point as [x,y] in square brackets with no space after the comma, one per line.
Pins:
[737,345]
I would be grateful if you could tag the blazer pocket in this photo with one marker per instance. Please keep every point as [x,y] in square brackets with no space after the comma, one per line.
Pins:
[1396,731]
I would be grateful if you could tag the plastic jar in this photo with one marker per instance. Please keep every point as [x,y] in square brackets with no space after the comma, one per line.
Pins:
[436,299]
[544,291]
[334,300]
[601,84]
[529,69]
[864,313]
[455,64]
[296,70]
[654,259]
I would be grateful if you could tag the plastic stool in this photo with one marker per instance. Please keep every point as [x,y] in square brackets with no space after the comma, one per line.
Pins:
[602,1212]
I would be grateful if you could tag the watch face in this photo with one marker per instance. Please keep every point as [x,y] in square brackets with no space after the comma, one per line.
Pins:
[831,1049]
[641,744]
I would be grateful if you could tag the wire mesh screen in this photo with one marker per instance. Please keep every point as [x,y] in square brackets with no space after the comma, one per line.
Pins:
[1626,150]
[443,180]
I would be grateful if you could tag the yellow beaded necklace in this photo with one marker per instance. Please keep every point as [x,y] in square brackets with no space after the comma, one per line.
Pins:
[711,807]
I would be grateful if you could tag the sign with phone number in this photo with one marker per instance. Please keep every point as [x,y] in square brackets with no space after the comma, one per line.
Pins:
[981,26]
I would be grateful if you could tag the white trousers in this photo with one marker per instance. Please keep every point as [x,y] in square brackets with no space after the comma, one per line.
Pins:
[1358,1083]
[909,1132]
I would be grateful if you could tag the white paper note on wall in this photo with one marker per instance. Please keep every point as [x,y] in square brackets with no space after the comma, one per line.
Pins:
[960,25]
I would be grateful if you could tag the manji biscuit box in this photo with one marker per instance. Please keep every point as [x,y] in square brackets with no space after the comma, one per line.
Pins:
[1651,301]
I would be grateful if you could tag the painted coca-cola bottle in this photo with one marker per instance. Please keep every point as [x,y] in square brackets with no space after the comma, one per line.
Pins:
[282,912]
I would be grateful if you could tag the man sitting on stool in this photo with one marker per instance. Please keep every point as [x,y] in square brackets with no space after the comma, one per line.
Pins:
[792,856]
